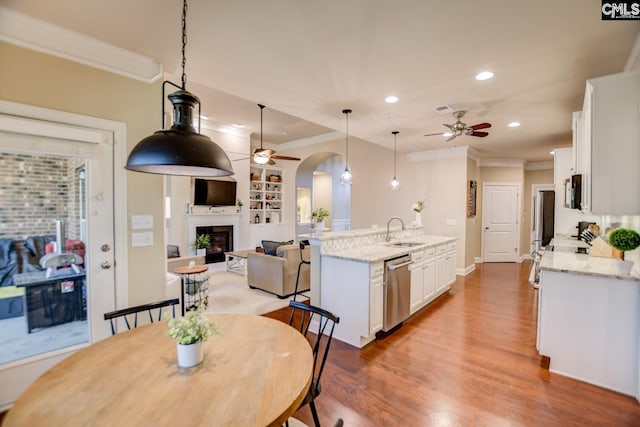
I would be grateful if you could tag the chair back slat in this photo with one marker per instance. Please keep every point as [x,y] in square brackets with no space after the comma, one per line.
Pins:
[321,342]
[124,313]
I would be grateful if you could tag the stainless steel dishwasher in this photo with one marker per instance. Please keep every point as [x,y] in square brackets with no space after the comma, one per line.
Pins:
[397,288]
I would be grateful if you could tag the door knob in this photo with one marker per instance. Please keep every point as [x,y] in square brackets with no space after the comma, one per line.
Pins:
[105,265]
[486,228]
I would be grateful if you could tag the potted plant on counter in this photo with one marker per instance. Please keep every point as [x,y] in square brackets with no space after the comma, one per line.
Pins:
[201,244]
[319,215]
[190,332]
[624,239]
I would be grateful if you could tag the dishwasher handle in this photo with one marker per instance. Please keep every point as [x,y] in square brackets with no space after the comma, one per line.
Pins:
[392,267]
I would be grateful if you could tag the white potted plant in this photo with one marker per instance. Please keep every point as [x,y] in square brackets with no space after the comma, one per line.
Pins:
[201,244]
[190,332]
[319,215]
[624,239]
[239,204]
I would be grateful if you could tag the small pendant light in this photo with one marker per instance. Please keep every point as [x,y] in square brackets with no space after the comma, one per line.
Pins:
[180,150]
[395,184]
[346,177]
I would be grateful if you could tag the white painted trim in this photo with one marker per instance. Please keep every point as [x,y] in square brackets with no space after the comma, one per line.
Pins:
[633,62]
[444,153]
[31,33]
[478,260]
[536,166]
[524,257]
[501,163]
[466,270]
[312,140]
[222,128]
[119,131]
[31,127]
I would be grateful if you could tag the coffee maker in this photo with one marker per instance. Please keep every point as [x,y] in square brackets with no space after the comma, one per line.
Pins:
[582,226]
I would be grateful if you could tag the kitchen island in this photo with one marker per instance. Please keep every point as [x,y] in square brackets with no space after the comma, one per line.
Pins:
[589,320]
[347,275]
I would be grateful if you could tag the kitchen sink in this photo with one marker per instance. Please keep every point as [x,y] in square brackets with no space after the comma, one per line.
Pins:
[404,244]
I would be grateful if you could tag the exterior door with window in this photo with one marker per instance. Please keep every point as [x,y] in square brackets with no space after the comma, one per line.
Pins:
[500,222]
[57,173]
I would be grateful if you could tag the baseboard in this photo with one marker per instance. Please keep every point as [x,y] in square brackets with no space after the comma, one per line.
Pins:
[478,260]
[464,271]
[525,256]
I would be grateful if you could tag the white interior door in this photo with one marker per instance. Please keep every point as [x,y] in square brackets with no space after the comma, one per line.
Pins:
[500,222]
[94,149]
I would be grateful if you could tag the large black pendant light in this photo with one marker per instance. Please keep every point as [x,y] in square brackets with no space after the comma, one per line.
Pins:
[347,177]
[180,150]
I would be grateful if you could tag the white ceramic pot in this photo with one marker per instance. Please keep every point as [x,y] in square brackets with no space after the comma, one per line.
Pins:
[319,228]
[419,218]
[190,354]
[201,252]
[623,267]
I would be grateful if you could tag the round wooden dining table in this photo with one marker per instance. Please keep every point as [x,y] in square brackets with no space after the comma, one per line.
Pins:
[255,374]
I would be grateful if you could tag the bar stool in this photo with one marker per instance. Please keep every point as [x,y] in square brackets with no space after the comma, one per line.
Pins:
[303,244]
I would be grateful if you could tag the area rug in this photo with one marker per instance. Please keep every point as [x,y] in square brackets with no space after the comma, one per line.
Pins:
[230,293]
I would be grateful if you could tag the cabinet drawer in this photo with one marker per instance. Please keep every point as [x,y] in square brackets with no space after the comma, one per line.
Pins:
[441,250]
[417,256]
[429,252]
[377,270]
[451,247]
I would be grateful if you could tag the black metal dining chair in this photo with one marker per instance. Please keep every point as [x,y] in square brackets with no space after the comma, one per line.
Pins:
[126,313]
[304,316]
[303,244]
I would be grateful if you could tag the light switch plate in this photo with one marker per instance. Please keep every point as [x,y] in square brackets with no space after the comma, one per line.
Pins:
[141,222]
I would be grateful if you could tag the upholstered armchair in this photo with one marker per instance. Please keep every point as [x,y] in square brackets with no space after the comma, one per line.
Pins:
[277,274]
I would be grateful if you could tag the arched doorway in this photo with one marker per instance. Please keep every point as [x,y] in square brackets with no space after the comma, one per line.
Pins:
[318,185]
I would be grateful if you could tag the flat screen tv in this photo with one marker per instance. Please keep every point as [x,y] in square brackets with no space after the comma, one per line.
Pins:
[213,192]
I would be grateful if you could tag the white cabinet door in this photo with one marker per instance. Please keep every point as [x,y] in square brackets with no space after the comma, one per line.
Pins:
[451,263]
[416,287]
[441,269]
[429,280]
[376,306]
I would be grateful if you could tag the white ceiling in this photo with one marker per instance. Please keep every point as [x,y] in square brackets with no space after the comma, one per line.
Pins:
[308,60]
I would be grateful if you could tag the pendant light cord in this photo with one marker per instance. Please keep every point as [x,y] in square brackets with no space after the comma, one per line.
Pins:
[184,43]
[346,112]
[261,110]
[394,155]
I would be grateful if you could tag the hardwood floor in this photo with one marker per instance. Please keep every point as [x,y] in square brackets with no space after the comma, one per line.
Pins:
[468,359]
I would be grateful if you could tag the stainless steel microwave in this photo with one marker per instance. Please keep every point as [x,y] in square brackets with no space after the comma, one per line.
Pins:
[573,192]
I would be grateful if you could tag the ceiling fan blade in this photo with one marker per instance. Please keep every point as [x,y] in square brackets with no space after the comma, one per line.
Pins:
[271,162]
[434,134]
[480,134]
[242,158]
[481,126]
[451,128]
[452,137]
[275,156]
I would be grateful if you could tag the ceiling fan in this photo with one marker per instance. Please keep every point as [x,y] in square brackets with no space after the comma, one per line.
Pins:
[264,155]
[460,128]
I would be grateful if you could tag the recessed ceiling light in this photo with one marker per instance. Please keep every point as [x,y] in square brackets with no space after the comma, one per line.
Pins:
[514,124]
[447,134]
[485,75]
[391,99]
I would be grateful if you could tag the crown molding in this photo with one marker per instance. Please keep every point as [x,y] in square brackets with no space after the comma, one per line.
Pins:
[633,62]
[222,128]
[538,166]
[501,163]
[443,153]
[312,140]
[25,31]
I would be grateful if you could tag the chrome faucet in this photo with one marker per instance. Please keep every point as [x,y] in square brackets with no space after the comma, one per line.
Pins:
[389,222]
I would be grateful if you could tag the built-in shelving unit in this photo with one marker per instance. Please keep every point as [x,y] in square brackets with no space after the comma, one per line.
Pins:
[265,195]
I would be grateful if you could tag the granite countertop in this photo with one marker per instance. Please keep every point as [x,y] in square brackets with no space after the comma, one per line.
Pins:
[567,262]
[562,241]
[379,252]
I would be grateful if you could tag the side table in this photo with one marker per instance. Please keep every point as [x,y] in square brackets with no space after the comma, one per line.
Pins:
[195,287]
[237,261]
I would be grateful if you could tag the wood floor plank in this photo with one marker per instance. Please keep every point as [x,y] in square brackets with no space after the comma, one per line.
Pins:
[468,359]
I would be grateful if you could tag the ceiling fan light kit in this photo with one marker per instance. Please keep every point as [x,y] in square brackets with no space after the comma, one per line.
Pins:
[459,128]
[180,150]
[347,177]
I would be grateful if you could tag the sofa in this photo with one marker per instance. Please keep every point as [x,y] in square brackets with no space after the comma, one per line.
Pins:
[277,273]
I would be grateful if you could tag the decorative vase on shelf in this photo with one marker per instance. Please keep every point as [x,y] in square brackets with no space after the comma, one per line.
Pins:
[190,354]
[319,228]
[419,218]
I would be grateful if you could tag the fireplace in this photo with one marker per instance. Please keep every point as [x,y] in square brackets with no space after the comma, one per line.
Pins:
[221,238]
